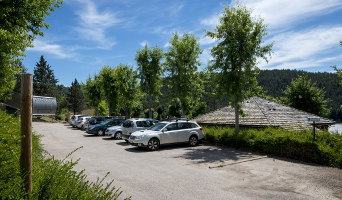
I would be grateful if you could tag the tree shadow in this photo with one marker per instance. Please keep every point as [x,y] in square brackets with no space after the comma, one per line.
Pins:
[212,154]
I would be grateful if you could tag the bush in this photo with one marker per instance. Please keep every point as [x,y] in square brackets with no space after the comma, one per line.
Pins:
[52,179]
[326,150]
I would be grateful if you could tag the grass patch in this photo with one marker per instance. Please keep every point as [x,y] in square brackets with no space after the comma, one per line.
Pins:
[298,145]
[52,179]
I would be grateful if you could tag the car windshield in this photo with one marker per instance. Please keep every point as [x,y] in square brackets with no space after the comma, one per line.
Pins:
[158,127]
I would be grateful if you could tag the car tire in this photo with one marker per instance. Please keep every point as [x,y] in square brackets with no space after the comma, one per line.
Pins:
[193,140]
[100,132]
[117,136]
[153,144]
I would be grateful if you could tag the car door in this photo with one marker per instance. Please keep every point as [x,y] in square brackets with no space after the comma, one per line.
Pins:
[127,127]
[183,134]
[169,134]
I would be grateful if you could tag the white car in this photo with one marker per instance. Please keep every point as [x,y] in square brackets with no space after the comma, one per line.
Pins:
[81,121]
[168,133]
[114,132]
[135,124]
[73,119]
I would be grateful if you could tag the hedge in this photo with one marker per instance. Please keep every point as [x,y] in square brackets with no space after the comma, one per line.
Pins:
[298,145]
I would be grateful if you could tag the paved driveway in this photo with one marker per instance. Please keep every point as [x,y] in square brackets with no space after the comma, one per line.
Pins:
[182,172]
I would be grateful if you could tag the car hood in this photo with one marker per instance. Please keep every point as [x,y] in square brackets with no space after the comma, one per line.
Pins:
[145,132]
[114,128]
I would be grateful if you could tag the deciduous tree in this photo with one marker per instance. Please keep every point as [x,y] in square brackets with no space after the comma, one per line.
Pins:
[150,71]
[21,22]
[181,63]
[240,38]
[304,95]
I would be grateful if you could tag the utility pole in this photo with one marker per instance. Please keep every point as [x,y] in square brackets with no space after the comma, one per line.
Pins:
[26,131]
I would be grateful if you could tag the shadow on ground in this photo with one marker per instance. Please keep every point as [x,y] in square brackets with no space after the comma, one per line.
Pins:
[108,138]
[211,154]
[136,149]
[123,143]
[90,135]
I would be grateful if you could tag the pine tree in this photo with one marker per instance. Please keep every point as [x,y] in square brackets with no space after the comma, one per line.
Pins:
[75,97]
[44,81]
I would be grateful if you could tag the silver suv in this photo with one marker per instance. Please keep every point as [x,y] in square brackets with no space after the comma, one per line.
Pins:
[168,132]
[135,124]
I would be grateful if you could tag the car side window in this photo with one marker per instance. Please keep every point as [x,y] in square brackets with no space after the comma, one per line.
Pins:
[193,125]
[143,124]
[171,127]
[128,124]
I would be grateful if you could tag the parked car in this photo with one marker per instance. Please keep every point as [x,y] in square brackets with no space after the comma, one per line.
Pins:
[100,129]
[167,133]
[73,119]
[95,120]
[81,121]
[115,132]
[131,125]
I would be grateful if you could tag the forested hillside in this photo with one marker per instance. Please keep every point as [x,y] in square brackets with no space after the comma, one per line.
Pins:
[274,83]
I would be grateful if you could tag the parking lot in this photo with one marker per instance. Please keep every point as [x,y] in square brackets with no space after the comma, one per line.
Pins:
[182,172]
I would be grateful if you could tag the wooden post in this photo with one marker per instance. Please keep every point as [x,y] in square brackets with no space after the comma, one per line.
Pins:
[26,131]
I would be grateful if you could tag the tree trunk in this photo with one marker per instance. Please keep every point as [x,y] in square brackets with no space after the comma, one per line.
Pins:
[237,127]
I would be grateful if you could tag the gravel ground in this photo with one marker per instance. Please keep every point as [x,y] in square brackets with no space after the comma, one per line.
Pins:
[182,172]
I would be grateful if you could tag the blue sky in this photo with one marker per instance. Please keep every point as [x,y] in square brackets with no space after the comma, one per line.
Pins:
[85,35]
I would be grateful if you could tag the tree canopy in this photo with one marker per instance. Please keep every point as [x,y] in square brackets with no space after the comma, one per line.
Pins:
[240,38]
[21,22]
[44,81]
[181,63]
[75,97]
[150,71]
[305,95]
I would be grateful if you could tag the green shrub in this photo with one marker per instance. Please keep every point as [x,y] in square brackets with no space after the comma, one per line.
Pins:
[52,179]
[326,150]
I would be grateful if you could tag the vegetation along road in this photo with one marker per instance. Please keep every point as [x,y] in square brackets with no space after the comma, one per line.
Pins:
[182,172]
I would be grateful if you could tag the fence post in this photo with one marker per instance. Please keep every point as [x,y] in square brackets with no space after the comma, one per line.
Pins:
[26,131]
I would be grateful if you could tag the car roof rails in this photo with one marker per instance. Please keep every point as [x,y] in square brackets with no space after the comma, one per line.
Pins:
[176,119]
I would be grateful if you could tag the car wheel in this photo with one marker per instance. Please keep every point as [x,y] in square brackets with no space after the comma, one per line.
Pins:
[117,136]
[193,140]
[153,144]
[100,132]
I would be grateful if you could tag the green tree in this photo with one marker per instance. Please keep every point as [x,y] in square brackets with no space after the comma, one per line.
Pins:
[305,95]
[75,97]
[21,22]
[44,81]
[150,71]
[240,38]
[181,62]
[94,95]
[108,83]
[129,95]
[120,88]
